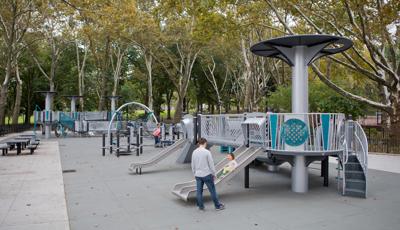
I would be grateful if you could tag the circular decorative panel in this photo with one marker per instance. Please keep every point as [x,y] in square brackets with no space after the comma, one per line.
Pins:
[295,132]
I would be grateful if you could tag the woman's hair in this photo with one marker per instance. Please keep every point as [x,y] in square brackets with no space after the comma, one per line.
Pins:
[232,155]
[202,141]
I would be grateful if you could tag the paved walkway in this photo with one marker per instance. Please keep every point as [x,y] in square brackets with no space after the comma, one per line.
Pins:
[32,190]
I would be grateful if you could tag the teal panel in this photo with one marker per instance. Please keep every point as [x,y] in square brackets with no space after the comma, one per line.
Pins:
[273,123]
[325,118]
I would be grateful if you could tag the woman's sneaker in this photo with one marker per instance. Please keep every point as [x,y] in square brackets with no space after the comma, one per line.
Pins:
[221,207]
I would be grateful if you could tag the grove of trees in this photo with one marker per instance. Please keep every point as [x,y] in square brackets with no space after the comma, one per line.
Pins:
[193,55]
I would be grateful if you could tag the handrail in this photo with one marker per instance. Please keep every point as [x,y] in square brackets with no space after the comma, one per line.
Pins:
[362,141]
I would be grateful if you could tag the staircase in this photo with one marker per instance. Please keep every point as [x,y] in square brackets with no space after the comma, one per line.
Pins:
[355,183]
[353,164]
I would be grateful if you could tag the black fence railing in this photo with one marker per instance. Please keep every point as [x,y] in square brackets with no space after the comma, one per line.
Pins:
[6,129]
[383,140]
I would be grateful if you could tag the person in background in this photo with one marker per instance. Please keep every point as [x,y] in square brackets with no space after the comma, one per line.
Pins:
[157,135]
[204,172]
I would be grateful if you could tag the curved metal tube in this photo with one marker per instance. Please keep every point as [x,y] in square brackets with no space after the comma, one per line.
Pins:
[123,106]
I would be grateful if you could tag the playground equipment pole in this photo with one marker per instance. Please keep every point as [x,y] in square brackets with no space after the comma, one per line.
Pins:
[117,144]
[103,149]
[48,113]
[299,105]
[141,138]
[73,105]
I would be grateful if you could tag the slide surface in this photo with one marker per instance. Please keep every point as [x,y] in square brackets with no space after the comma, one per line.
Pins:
[159,156]
[243,155]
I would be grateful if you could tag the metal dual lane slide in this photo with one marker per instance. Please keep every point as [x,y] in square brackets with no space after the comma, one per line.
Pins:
[137,167]
[244,156]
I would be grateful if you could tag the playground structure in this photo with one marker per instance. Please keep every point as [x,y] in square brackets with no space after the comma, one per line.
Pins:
[134,133]
[298,138]
[86,122]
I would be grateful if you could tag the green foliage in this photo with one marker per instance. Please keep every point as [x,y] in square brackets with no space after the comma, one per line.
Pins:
[321,99]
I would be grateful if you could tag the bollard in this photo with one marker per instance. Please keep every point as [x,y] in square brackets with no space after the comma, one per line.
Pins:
[104,144]
[111,143]
[171,133]
[137,144]
[141,139]
[118,144]
[129,143]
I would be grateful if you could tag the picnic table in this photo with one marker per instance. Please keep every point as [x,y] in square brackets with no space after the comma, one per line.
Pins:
[20,143]
[28,135]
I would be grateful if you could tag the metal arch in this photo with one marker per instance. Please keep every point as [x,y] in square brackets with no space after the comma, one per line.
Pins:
[123,106]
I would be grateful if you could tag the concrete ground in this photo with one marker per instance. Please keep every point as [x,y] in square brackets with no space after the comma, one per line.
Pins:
[102,194]
[32,190]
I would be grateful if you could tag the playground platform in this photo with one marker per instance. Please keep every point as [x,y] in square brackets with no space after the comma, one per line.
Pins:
[100,193]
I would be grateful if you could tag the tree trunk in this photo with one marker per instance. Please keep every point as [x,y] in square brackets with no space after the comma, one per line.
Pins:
[4,92]
[104,71]
[169,99]
[187,106]
[103,92]
[184,104]
[81,74]
[3,102]
[18,96]
[17,104]
[148,61]
[169,110]
[178,110]
[247,75]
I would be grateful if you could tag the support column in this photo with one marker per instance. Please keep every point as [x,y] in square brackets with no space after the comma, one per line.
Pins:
[325,169]
[299,175]
[48,114]
[73,105]
[299,105]
[246,176]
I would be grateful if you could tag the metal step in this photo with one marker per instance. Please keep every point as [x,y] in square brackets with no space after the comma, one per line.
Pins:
[352,166]
[352,158]
[355,184]
[355,193]
[355,174]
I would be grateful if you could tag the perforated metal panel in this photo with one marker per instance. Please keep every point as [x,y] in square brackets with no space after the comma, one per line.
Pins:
[224,129]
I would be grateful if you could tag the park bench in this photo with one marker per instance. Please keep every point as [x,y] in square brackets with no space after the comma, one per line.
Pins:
[32,146]
[4,148]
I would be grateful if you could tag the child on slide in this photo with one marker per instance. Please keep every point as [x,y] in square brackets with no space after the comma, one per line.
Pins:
[229,167]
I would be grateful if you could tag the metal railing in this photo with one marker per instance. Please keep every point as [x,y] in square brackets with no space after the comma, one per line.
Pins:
[305,132]
[14,128]
[360,145]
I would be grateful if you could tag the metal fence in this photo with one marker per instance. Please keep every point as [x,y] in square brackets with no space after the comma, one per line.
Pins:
[383,140]
[6,129]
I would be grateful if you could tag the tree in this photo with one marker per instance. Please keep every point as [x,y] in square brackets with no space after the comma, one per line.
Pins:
[374,29]
[15,18]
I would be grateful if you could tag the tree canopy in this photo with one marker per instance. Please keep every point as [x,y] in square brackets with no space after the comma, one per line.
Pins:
[194,55]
